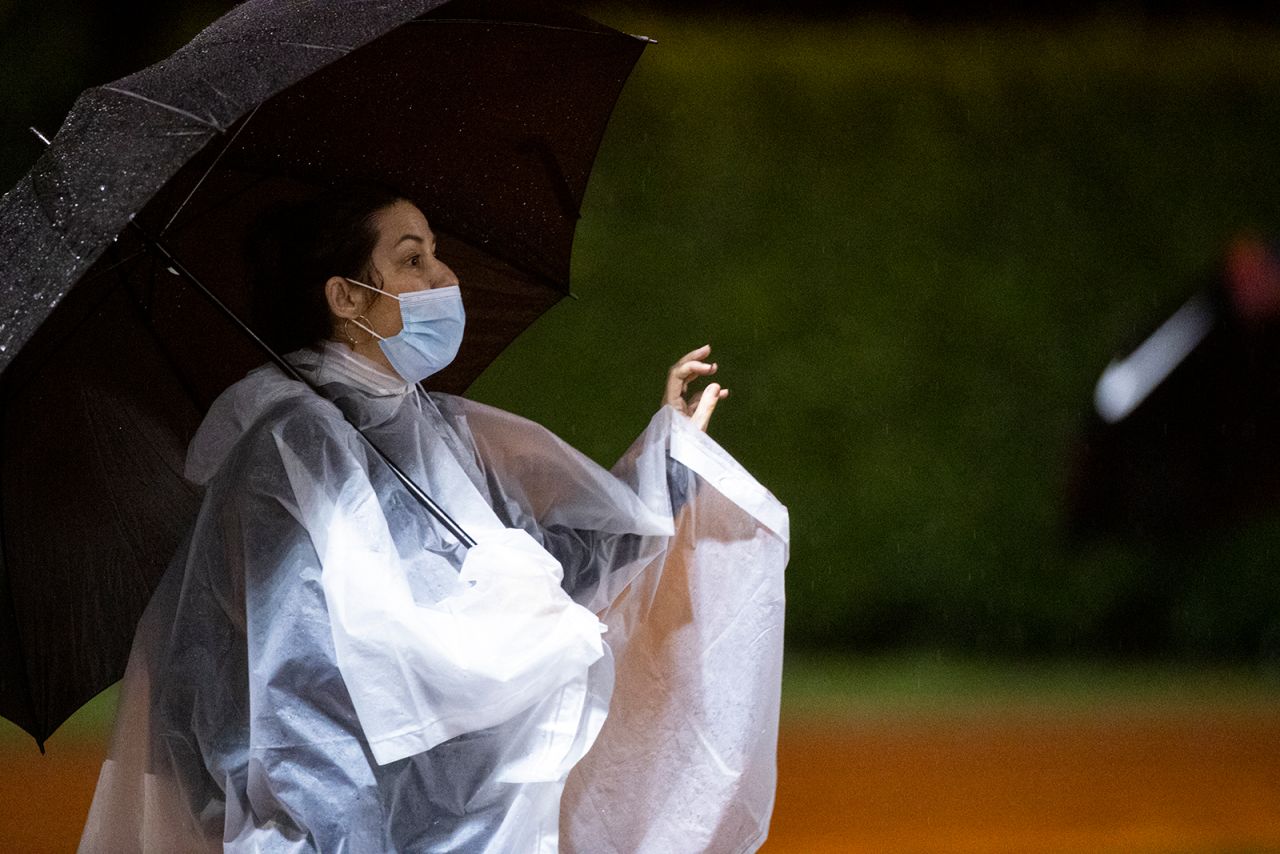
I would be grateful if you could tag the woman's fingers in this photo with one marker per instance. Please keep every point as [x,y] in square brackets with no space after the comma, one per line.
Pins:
[688,371]
[711,395]
[688,368]
[701,353]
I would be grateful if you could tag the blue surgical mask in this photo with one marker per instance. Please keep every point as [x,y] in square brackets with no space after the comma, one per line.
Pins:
[433,322]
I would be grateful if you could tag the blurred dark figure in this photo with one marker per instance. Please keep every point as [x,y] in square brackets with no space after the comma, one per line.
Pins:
[1185,435]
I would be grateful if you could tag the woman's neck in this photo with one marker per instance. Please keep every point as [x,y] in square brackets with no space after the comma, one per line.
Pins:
[337,360]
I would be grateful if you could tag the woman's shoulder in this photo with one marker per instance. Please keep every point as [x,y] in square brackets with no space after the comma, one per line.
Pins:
[459,408]
[265,403]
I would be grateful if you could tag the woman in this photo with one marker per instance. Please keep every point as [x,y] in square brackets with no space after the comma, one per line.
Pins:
[323,668]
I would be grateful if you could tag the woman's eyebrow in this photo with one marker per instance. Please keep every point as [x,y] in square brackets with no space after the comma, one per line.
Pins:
[409,237]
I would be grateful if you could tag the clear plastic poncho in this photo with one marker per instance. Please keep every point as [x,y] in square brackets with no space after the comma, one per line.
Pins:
[324,669]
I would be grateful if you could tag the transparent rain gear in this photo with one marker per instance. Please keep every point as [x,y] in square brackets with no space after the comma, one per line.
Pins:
[323,669]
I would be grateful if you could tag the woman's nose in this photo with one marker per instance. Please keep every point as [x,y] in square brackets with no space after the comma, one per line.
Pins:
[444,276]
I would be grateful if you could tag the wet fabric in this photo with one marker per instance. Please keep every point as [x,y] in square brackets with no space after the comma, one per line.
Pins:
[323,669]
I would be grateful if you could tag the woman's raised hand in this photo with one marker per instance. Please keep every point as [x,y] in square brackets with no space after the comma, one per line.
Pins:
[701,404]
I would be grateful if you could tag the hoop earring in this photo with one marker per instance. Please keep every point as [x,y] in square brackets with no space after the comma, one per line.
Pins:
[346,329]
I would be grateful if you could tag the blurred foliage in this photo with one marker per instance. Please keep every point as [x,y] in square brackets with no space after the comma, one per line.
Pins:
[844,689]
[913,249]
[904,684]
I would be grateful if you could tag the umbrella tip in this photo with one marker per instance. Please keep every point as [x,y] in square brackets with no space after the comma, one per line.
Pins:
[43,138]
[644,39]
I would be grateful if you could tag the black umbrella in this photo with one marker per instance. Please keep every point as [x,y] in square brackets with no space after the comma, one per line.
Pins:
[487,113]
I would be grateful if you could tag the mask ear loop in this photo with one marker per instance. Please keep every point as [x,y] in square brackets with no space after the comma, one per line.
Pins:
[356,319]
[372,288]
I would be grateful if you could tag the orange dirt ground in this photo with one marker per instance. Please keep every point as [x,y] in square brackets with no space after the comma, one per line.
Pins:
[978,783]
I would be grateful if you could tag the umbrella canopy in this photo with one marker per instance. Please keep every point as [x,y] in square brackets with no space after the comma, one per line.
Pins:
[488,114]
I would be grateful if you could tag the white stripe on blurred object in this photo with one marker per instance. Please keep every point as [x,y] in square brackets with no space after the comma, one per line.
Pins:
[1127,382]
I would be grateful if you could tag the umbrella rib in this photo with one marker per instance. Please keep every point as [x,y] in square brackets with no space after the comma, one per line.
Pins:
[531,24]
[98,457]
[120,261]
[163,105]
[60,232]
[164,351]
[224,150]
[538,277]
[343,49]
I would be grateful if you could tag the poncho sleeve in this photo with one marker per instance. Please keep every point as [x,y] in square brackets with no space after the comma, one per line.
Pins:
[681,552]
[603,529]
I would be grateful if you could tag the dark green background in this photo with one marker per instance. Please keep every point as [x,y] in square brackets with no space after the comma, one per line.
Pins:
[914,248]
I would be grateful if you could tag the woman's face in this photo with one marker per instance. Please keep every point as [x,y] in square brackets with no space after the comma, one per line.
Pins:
[403,260]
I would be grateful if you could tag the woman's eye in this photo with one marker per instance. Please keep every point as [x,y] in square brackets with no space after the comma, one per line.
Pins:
[414,259]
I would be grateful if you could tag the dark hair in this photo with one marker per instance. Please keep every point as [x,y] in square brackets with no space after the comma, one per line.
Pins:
[294,247]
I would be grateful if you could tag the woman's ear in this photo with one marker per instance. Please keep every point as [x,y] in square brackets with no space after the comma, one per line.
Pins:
[343,299]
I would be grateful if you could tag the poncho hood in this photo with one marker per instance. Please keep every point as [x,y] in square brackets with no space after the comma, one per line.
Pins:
[245,401]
